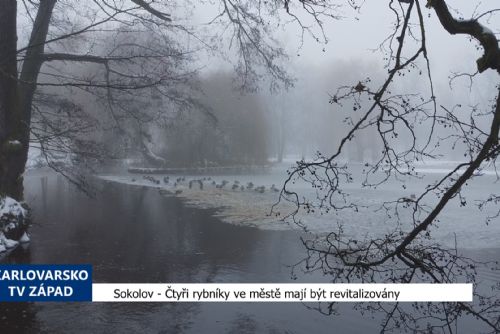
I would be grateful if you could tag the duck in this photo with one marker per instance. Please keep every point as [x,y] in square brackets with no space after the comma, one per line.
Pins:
[260,189]
[200,183]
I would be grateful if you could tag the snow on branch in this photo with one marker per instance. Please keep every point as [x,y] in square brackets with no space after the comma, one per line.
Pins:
[487,39]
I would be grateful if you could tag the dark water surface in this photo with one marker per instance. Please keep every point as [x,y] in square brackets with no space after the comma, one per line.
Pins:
[133,234]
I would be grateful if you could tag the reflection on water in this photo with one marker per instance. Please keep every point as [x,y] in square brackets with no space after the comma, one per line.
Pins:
[133,234]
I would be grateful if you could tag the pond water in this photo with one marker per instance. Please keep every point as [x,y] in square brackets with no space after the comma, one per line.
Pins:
[134,234]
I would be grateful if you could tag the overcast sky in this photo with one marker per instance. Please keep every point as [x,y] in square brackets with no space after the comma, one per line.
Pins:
[353,38]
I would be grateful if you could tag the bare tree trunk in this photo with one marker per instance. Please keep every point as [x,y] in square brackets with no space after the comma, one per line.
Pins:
[278,134]
[281,148]
[11,146]
[16,97]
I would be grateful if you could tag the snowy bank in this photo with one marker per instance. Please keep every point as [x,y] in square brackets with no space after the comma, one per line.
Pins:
[14,219]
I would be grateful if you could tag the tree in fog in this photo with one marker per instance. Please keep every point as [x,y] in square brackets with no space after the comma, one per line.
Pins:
[233,131]
[39,105]
[56,37]
[411,126]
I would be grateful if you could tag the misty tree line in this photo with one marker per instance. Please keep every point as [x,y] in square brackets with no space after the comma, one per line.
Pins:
[226,127]
[217,125]
[99,86]
[221,125]
[122,55]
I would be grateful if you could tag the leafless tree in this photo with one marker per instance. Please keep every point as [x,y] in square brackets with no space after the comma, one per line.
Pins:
[72,32]
[408,253]
[60,33]
[134,45]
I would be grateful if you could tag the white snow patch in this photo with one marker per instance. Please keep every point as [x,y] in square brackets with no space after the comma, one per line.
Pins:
[10,206]
[10,226]
[486,30]
[24,238]
[8,243]
[12,214]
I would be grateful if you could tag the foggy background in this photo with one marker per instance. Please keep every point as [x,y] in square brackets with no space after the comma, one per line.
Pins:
[207,116]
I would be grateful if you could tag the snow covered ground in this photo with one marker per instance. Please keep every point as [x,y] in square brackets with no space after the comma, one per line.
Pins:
[12,213]
[237,204]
